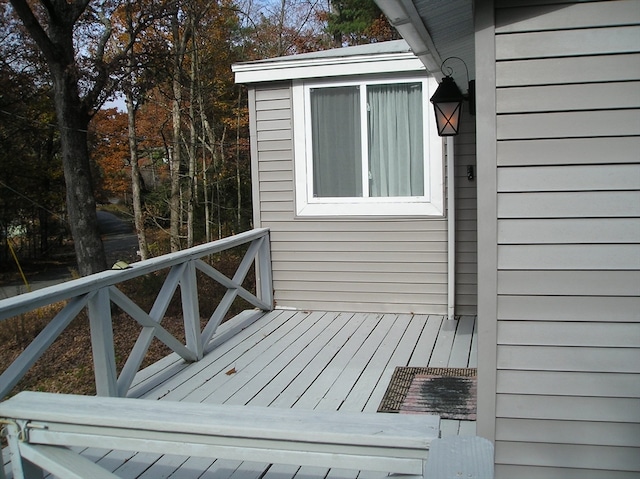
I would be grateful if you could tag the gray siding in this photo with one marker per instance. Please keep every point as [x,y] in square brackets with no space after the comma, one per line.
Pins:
[361,265]
[568,232]
[466,220]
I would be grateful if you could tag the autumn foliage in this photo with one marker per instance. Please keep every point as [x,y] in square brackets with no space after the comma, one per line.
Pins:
[176,150]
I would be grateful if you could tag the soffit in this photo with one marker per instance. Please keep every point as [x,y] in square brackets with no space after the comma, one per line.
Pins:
[450,24]
[449,29]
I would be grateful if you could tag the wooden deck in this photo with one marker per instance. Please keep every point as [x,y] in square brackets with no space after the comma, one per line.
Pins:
[287,359]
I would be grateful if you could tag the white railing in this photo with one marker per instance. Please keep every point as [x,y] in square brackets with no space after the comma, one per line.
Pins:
[98,291]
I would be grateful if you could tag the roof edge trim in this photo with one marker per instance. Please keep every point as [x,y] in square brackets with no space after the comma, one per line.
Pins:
[326,67]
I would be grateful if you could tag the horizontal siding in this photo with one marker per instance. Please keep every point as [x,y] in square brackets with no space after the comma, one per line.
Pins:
[466,220]
[570,257]
[596,14]
[588,359]
[569,178]
[601,458]
[588,96]
[568,408]
[570,124]
[355,255]
[568,226]
[316,232]
[574,151]
[384,265]
[374,247]
[568,383]
[568,283]
[276,145]
[588,41]
[534,472]
[568,230]
[568,70]
[392,277]
[370,267]
[397,300]
[402,287]
[581,204]
[361,227]
[613,308]
[615,335]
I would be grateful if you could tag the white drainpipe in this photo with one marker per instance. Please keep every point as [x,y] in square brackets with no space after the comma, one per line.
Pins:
[451,230]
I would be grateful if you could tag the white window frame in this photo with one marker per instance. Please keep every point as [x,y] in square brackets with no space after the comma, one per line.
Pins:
[430,204]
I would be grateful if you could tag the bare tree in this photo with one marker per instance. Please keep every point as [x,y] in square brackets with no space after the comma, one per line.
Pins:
[135,87]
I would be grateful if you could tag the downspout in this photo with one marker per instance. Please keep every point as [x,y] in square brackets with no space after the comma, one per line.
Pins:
[451,230]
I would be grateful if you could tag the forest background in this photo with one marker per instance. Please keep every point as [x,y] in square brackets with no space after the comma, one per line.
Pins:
[174,158]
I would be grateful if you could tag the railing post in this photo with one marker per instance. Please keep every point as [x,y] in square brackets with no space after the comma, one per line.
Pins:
[104,362]
[191,310]
[264,276]
[21,468]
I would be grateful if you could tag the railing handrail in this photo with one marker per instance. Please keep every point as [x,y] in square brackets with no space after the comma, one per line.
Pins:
[59,292]
[98,291]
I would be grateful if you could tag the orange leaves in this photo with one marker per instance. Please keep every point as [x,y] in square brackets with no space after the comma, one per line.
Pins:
[110,152]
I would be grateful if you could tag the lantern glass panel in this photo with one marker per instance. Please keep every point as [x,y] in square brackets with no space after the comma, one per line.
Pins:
[448,117]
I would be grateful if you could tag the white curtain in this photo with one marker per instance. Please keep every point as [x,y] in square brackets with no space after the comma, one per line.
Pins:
[336,148]
[396,163]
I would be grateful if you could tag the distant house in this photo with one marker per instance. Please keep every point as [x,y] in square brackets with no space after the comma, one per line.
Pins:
[360,207]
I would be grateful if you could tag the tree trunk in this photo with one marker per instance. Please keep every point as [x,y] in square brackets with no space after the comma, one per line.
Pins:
[238,177]
[73,123]
[205,195]
[205,167]
[192,184]
[56,43]
[175,202]
[206,134]
[174,164]
[136,190]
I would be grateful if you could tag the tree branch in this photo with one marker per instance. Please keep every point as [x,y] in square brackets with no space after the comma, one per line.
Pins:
[100,81]
[34,28]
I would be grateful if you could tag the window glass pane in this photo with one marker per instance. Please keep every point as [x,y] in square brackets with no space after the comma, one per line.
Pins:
[396,150]
[337,156]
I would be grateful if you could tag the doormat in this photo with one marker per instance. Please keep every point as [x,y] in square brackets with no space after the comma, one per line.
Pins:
[448,392]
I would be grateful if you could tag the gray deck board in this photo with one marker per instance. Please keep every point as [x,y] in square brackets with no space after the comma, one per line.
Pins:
[311,360]
[461,347]
[444,343]
[426,342]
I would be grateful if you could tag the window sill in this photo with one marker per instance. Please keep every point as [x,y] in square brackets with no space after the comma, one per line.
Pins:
[370,209]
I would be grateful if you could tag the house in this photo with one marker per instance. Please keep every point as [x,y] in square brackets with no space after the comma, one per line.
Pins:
[549,253]
[359,236]
[529,218]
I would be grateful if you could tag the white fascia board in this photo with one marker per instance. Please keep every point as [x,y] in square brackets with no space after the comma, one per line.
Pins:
[291,69]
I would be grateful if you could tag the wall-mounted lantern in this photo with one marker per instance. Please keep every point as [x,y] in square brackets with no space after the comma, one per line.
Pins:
[447,103]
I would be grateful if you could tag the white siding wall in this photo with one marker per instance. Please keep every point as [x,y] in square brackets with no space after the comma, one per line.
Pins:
[568,229]
[378,265]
